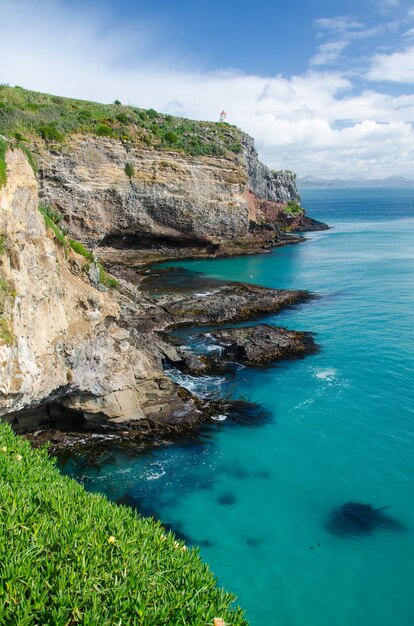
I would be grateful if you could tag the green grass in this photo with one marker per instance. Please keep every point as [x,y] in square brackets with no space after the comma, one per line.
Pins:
[3,243]
[6,331]
[7,293]
[52,220]
[79,248]
[68,557]
[3,169]
[28,115]
[293,208]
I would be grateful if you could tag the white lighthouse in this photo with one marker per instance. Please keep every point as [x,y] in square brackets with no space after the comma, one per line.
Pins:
[223,116]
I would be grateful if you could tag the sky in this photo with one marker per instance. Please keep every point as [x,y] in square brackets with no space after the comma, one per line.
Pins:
[326,88]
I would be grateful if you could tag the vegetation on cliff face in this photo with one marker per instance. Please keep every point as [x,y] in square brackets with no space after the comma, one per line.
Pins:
[3,169]
[27,115]
[53,221]
[70,557]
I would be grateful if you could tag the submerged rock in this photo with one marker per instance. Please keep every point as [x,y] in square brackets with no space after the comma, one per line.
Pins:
[354,519]
[257,345]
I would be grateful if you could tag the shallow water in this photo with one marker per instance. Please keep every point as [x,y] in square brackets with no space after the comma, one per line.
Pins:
[257,498]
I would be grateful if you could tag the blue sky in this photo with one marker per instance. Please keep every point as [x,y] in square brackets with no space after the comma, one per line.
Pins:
[326,88]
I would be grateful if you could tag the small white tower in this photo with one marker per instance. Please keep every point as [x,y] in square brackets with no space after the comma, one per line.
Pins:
[223,116]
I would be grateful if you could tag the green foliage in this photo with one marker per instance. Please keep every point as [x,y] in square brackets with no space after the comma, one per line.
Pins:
[3,169]
[6,332]
[103,130]
[129,170]
[71,557]
[49,132]
[293,208]
[79,248]
[118,102]
[105,279]
[171,137]
[7,294]
[152,113]
[52,220]
[28,114]
[28,153]
[3,243]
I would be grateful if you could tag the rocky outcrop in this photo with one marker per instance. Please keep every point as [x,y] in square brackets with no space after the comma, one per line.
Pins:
[64,342]
[265,183]
[261,344]
[75,356]
[168,202]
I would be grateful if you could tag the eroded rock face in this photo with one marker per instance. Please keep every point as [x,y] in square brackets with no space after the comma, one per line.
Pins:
[266,184]
[63,339]
[172,202]
[171,197]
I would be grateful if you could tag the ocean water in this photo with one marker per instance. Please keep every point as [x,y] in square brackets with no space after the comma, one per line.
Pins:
[256,499]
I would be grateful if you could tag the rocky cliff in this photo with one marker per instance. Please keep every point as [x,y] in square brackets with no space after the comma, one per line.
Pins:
[170,203]
[136,186]
[61,343]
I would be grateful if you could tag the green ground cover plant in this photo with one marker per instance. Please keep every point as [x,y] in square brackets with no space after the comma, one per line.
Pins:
[70,557]
[3,169]
[293,208]
[28,115]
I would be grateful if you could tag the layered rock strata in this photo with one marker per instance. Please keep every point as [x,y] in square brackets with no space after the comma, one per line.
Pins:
[171,204]
[75,356]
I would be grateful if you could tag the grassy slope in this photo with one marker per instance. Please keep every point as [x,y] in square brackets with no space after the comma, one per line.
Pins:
[25,115]
[68,557]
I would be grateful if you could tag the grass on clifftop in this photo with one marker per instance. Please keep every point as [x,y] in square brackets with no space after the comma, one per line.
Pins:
[69,557]
[25,115]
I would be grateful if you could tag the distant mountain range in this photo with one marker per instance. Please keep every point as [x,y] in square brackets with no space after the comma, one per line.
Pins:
[391,181]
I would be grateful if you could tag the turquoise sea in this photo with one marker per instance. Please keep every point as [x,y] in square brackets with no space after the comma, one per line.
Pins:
[340,428]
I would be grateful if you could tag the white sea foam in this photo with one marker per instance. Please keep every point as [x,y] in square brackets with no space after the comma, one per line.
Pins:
[219,418]
[154,475]
[200,386]
[328,374]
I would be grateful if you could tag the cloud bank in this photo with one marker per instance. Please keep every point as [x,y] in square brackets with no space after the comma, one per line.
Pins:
[325,122]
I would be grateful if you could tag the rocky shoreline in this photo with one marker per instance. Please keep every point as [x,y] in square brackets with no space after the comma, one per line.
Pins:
[154,318]
[83,362]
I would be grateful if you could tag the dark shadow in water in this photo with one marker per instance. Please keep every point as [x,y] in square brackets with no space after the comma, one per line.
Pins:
[354,519]
[227,499]
[262,474]
[169,280]
[253,542]
[176,527]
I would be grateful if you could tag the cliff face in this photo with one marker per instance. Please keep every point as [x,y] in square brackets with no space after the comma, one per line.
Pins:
[170,200]
[266,184]
[60,337]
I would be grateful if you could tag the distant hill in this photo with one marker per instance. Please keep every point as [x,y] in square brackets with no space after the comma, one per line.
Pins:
[392,181]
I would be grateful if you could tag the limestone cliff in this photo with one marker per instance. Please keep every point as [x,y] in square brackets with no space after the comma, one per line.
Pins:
[169,200]
[60,338]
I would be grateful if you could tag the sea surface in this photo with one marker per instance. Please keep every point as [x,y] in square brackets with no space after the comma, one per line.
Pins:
[340,428]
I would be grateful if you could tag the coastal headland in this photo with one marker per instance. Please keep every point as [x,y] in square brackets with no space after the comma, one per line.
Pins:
[83,351]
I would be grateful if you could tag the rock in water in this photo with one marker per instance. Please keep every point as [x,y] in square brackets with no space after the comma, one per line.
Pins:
[354,519]
[262,344]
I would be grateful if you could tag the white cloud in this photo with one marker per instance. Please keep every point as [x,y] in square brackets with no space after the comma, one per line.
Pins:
[328,52]
[339,24]
[396,67]
[316,123]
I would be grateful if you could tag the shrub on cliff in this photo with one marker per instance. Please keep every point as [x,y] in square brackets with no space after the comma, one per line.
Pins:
[69,557]
[129,170]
